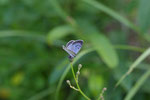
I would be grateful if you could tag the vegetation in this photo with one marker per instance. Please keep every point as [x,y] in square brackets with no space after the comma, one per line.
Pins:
[115,52]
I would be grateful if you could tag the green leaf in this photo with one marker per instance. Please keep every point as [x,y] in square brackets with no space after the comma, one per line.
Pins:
[59,32]
[100,43]
[144,14]
[104,48]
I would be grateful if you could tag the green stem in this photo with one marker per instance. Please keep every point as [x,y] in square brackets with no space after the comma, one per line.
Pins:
[78,84]
[128,47]
[119,47]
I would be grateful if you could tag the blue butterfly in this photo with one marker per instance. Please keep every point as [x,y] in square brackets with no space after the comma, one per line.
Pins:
[73,47]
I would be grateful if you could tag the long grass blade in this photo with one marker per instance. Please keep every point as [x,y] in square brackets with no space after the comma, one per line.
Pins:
[134,65]
[110,12]
[116,16]
[23,34]
[137,86]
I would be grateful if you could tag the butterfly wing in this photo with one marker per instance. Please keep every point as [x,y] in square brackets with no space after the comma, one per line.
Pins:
[73,47]
[76,46]
[72,54]
[70,43]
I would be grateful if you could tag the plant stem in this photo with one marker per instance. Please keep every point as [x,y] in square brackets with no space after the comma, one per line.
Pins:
[78,84]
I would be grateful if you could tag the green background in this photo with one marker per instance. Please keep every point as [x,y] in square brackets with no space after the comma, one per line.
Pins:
[33,65]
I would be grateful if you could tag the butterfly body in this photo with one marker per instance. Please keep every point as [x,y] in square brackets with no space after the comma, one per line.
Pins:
[73,47]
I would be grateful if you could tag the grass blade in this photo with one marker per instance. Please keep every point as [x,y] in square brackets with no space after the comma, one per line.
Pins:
[110,12]
[138,84]
[118,17]
[134,65]
[23,34]
[128,47]
[58,70]
[58,9]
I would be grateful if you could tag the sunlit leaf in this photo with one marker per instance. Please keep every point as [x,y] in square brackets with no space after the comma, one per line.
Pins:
[101,44]
[58,33]
[104,48]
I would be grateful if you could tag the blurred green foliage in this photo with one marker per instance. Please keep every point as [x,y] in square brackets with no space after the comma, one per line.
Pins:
[33,65]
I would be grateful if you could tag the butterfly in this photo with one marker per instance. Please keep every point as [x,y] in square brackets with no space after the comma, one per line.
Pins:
[73,47]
